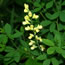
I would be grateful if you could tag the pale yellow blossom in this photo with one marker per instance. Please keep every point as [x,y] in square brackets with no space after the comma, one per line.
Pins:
[35,16]
[42,47]
[31,36]
[33,47]
[31,27]
[27,18]
[39,27]
[30,14]
[38,38]
[26,10]
[25,22]
[31,42]
[26,6]
[36,29]
[27,28]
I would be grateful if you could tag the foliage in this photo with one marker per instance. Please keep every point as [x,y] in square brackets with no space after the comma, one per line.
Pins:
[14,42]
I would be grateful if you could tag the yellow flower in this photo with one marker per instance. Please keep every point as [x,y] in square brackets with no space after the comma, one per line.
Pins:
[35,16]
[25,22]
[33,47]
[27,28]
[31,36]
[38,38]
[27,18]
[42,47]
[26,6]
[26,10]
[36,29]
[31,42]
[39,27]
[31,27]
[30,14]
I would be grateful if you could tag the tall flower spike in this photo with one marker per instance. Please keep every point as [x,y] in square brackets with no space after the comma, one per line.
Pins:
[31,27]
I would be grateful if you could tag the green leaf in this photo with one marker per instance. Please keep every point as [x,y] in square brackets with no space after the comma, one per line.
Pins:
[42,57]
[60,27]
[36,9]
[38,1]
[50,36]
[22,29]
[13,63]
[17,34]
[51,50]
[17,56]
[49,4]
[52,16]
[9,49]
[32,62]
[55,61]
[1,1]
[35,52]
[63,53]
[48,42]
[52,27]
[2,47]
[36,4]
[7,29]
[29,1]
[12,56]
[46,23]
[59,50]
[44,31]
[63,3]
[3,39]
[62,16]
[57,38]
[46,62]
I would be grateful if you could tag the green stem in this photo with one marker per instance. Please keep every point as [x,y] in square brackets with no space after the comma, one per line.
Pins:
[57,25]
[42,16]
[13,43]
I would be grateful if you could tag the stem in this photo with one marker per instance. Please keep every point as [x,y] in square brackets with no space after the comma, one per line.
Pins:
[42,16]
[56,4]
[57,25]
[13,43]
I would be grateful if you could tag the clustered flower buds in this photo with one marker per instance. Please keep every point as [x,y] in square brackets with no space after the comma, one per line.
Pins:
[30,27]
